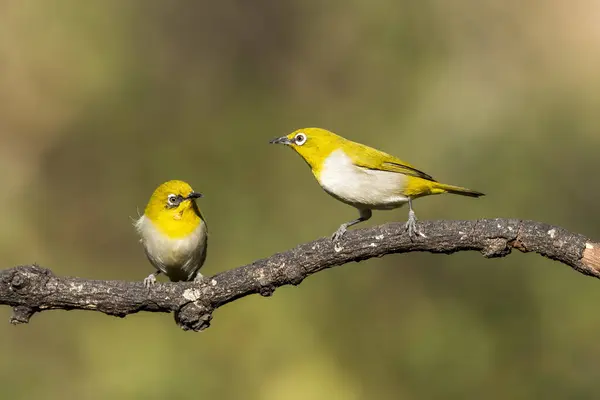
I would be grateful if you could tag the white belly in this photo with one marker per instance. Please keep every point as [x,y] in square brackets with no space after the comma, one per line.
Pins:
[361,187]
[179,259]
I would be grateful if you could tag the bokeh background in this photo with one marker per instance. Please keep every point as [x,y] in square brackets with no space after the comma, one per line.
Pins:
[102,101]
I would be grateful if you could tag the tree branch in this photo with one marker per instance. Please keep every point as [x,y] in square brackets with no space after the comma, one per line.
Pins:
[30,289]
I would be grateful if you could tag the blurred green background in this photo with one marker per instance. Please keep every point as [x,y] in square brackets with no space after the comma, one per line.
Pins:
[101,101]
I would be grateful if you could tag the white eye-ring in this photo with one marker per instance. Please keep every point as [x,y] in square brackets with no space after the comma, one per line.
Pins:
[173,200]
[300,139]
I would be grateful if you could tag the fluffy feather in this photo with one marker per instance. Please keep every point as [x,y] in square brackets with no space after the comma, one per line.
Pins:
[178,258]
[361,187]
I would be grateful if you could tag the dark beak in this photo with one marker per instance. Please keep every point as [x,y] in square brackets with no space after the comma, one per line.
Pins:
[193,195]
[281,140]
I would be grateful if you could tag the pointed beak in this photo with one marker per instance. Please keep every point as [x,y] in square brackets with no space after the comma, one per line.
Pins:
[194,195]
[281,140]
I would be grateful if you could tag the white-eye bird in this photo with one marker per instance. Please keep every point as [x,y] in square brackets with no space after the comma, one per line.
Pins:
[364,177]
[173,232]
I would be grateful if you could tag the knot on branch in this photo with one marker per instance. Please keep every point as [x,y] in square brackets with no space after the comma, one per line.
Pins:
[193,316]
[266,291]
[26,279]
[496,247]
[25,282]
[21,315]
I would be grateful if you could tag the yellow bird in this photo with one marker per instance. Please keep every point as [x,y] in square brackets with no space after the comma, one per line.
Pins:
[364,177]
[173,233]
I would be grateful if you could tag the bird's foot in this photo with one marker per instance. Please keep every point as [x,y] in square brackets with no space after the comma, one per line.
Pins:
[337,236]
[411,226]
[150,280]
[199,277]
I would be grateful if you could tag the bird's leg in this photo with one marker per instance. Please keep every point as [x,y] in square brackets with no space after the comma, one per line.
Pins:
[151,279]
[411,223]
[365,214]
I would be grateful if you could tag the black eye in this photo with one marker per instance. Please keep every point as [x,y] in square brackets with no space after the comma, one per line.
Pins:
[173,200]
[300,139]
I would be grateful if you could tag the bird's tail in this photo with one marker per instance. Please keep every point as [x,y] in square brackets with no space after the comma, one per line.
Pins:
[443,188]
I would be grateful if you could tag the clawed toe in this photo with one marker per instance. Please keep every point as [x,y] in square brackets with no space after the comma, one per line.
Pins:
[338,234]
[411,227]
[149,281]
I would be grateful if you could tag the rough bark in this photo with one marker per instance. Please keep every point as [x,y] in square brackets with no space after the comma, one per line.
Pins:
[31,288]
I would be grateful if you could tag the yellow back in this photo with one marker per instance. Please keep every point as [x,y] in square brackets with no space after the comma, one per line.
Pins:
[174,221]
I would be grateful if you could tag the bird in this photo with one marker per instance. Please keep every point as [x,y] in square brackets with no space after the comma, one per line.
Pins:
[173,233]
[363,177]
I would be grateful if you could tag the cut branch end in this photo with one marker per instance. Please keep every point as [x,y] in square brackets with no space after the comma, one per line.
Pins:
[591,256]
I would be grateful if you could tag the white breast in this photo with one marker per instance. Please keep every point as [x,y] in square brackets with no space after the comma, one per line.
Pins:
[177,258]
[361,187]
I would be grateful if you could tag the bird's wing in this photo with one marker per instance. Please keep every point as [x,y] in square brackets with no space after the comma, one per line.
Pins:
[193,265]
[369,158]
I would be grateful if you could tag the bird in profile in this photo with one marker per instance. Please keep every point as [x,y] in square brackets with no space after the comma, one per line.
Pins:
[363,177]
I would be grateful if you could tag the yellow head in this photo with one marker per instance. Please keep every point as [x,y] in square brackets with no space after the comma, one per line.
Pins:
[173,209]
[312,144]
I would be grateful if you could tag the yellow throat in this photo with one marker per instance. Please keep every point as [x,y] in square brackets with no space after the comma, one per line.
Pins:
[316,150]
[173,209]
